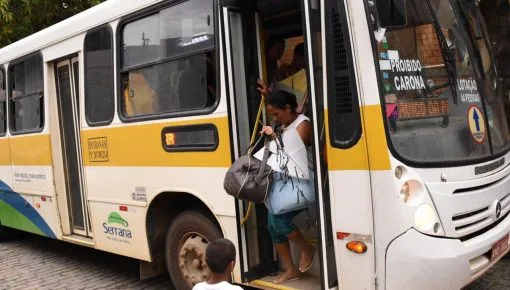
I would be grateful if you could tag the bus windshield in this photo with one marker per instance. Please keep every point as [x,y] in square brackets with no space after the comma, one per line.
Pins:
[442,100]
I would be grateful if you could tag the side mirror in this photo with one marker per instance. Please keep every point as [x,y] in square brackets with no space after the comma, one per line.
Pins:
[392,13]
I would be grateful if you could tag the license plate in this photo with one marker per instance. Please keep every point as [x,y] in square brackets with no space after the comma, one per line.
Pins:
[500,247]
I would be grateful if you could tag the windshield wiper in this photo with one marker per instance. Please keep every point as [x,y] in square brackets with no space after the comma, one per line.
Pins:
[449,57]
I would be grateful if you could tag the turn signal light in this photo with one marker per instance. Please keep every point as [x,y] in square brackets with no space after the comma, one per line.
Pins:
[405,192]
[357,247]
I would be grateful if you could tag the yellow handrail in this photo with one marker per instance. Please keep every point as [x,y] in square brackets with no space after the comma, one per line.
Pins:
[253,136]
[257,121]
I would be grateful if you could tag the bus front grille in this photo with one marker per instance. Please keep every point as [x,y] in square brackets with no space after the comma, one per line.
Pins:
[468,222]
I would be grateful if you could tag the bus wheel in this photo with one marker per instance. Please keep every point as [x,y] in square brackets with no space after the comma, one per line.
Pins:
[186,241]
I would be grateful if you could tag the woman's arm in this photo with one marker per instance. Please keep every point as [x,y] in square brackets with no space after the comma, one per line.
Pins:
[303,106]
[305,132]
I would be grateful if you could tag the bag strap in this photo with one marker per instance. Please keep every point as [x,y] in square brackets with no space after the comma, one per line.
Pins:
[252,145]
[264,162]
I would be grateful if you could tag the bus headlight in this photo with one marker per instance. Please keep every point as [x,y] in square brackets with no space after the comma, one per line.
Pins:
[425,218]
[419,209]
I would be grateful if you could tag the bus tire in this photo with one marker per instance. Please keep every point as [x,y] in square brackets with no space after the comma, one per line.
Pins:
[185,244]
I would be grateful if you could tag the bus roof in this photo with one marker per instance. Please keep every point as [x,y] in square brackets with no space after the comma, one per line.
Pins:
[96,16]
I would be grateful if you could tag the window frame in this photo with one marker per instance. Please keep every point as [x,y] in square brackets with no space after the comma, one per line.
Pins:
[9,95]
[190,129]
[119,58]
[4,72]
[112,117]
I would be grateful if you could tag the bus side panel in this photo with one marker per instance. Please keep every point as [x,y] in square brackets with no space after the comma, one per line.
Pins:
[5,178]
[387,222]
[32,164]
[127,167]
[352,207]
[120,231]
[384,192]
[5,164]
[28,199]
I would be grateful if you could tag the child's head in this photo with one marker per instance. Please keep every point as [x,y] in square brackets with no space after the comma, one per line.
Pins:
[220,256]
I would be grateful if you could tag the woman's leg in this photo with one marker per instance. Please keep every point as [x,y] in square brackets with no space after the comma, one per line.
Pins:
[291,272]
[307,250]
[279,227]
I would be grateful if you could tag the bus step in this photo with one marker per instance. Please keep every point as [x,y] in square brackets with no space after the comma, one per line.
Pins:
[305,283]
[79,240]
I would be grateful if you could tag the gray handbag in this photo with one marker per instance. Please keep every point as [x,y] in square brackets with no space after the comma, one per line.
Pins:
[248,178]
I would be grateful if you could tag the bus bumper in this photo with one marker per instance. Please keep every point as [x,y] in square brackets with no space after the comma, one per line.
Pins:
[418,261]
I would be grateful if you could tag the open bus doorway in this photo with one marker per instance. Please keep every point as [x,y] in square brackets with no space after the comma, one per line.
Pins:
[267,40]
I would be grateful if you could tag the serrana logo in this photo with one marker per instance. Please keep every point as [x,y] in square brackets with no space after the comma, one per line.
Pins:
[112,227]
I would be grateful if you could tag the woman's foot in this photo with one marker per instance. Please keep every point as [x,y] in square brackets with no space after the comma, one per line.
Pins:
[287,276]
[306,260]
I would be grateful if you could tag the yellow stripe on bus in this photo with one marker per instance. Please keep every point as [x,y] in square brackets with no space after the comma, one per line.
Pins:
[379,155]
[31,150]
[5,155]
[371,151]
[141,145]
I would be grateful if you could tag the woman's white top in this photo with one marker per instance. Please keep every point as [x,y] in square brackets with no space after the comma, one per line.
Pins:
[294,157]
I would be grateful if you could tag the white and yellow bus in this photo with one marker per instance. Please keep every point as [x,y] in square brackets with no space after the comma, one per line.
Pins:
[118,125]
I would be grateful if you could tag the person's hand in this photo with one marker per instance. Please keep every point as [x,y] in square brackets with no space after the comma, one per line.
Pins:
[267,130]
[263,88]
[300,109]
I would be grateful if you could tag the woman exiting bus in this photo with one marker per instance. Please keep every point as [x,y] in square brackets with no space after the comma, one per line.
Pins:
[281,106]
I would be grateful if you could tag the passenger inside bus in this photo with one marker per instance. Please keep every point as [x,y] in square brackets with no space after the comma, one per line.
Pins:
[289,77]
[166,88]
[275,50]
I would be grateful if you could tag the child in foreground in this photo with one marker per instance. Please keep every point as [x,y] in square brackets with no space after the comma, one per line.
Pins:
[220,257]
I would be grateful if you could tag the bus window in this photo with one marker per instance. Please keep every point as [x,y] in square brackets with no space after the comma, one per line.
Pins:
[168,61]
[496,107]
[3,99]
[99,92]
[430,87]
[26,95]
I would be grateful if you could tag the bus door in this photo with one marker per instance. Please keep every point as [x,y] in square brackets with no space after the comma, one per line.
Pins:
[67,81]
[314,15]
[247,29]
[243,61]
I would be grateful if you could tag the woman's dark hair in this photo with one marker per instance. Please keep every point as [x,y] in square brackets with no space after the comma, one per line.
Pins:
[280,99]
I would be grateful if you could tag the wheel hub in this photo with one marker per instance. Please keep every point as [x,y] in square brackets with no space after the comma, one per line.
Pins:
[192,260]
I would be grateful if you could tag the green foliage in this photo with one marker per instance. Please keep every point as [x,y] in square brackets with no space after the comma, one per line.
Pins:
[20,18]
